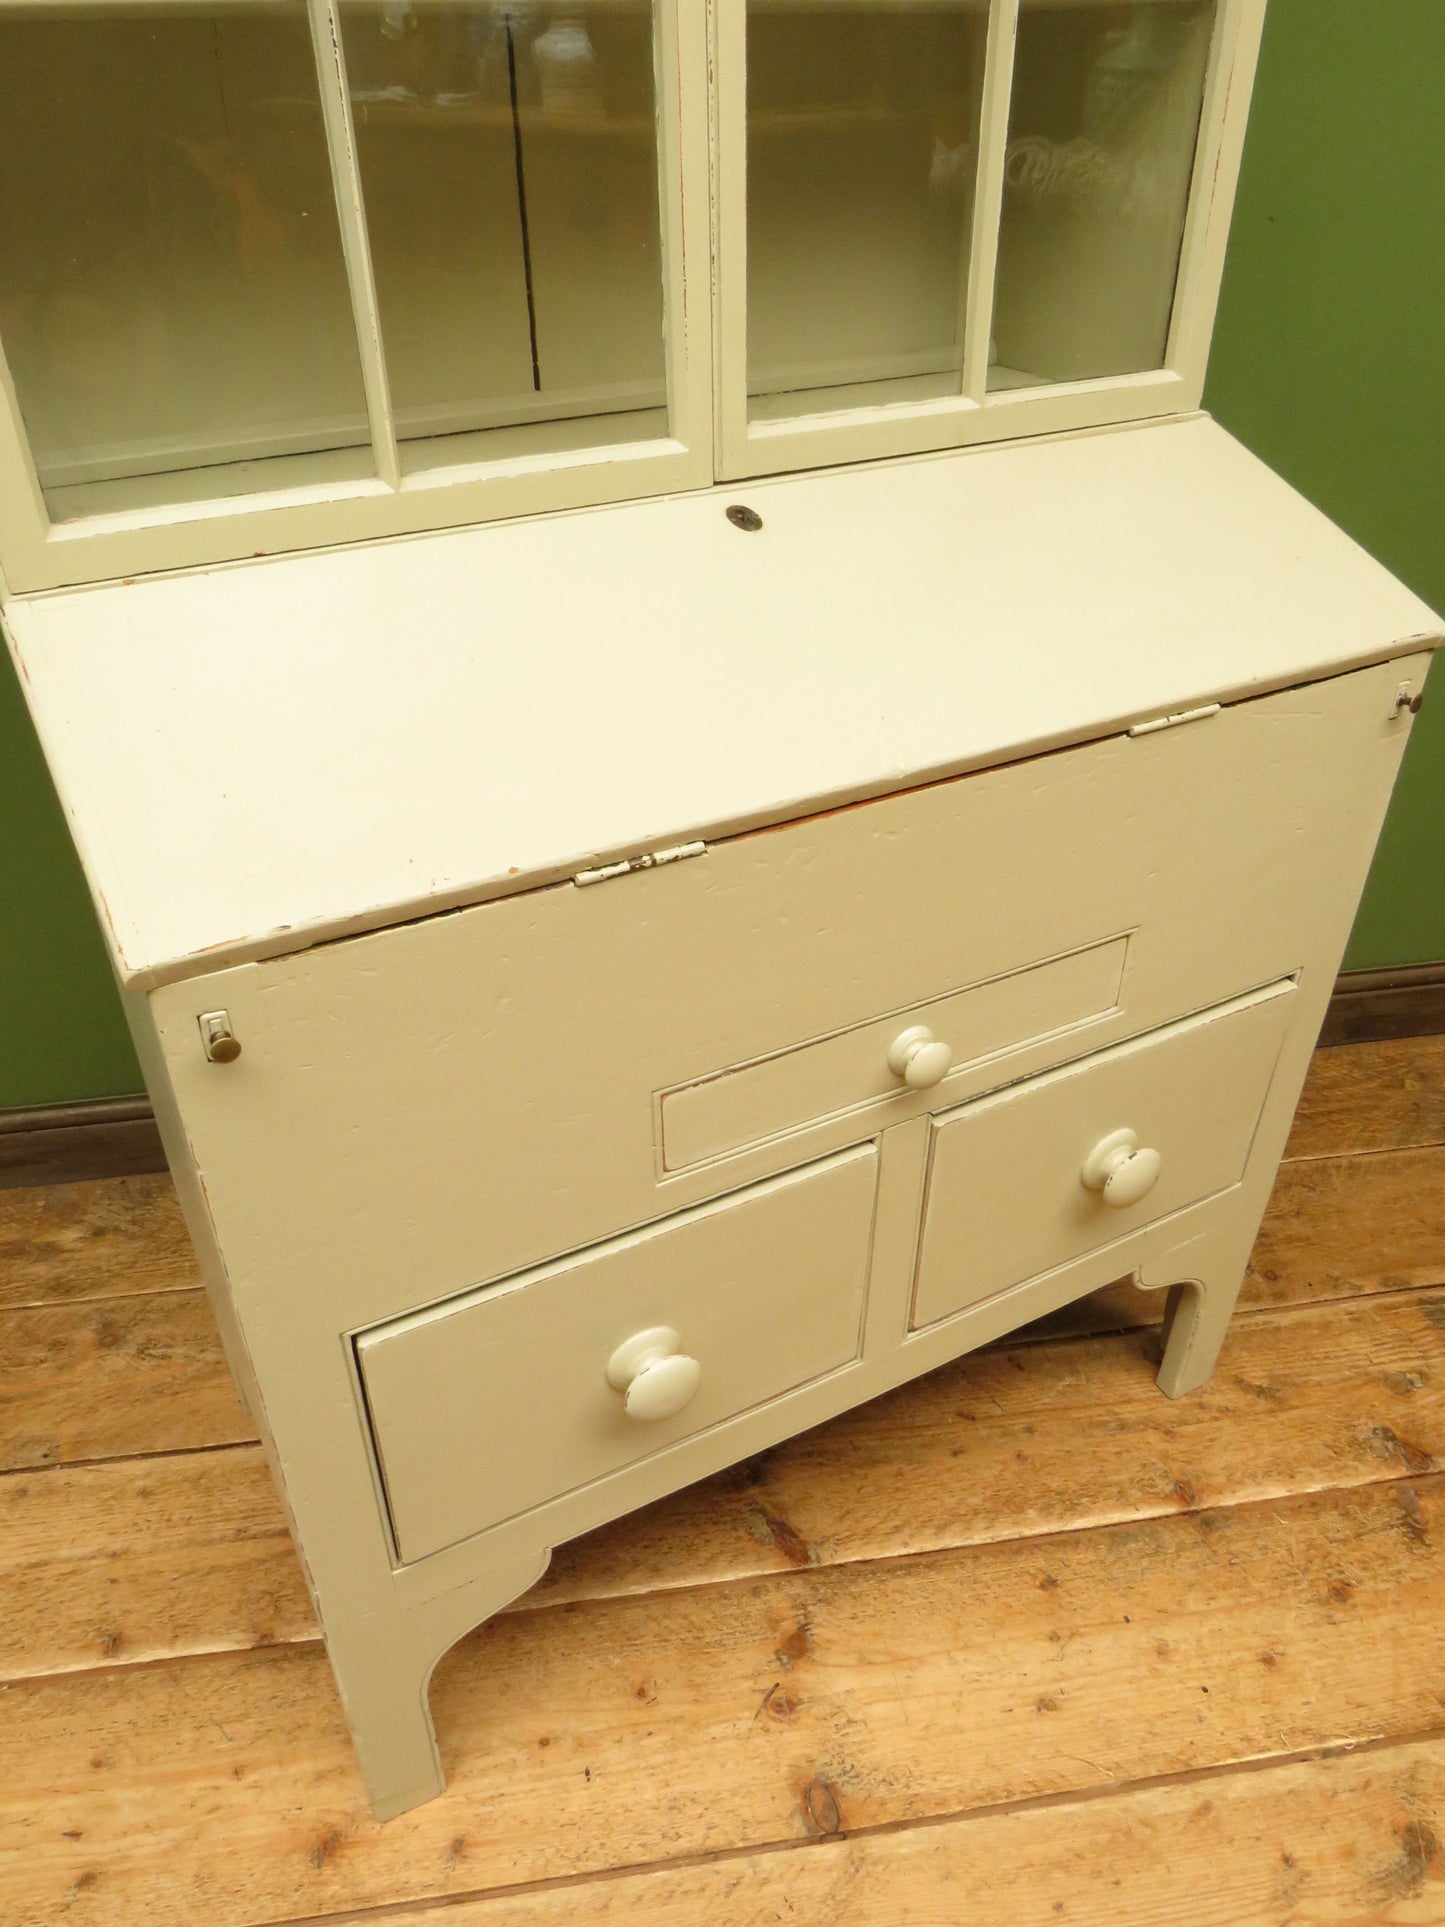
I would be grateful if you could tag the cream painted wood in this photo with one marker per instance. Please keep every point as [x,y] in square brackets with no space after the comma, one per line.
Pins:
[902,1169]
[446,489]
[855,1071]
[588,1003]
[858,249]
[546,327]
[320,1239]
[1009,1186]
[295,500]
[754,443]
[1003,23]
[293,1292]
[476,1106]
[386,1629]
[174,284]
[1087,277]
[325,22]
[1228,91]
[510,1386]
[1176,570]
[1015,806]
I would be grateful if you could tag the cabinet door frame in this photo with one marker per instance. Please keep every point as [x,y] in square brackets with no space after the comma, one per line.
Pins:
[39,553]
[856,434]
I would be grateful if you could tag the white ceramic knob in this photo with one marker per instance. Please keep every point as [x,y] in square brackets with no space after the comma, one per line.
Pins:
[1122,1169]
[656,1379]
[919,1058]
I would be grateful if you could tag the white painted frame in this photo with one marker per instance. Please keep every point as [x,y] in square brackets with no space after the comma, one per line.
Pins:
[974,415]
[38,553]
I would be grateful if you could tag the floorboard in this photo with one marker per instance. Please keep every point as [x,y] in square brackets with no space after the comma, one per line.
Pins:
[1339,1840]
[104,1238]
[1372,1097]
[634,1731]
[110,1377]
[153,1558]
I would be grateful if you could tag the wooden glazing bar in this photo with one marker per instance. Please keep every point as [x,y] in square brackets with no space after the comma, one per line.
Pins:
[325,20]
[988,195]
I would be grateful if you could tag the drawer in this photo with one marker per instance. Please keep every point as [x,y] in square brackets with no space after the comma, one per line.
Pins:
[461,1097]
[1036,1176]
[503,1398]
[863,1072]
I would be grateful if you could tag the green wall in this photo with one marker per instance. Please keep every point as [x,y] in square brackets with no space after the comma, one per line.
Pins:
[61,1032]
[1329,361]
[1329,355]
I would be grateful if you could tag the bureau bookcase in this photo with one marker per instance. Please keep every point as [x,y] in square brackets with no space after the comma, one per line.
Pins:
[706,786]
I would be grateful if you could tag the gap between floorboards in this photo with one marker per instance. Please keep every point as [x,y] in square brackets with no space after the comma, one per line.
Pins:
[1073,1800]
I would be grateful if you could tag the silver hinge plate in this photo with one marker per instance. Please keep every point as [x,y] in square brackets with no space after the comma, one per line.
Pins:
[1157,723]
[649,860]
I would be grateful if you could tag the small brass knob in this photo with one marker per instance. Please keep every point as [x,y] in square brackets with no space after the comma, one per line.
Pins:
[219,1041]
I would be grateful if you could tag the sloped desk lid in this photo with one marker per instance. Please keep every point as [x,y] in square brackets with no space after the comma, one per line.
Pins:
[259,756]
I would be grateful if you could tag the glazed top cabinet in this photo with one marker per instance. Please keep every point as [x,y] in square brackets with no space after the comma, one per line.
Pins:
[283,273]
[619,985]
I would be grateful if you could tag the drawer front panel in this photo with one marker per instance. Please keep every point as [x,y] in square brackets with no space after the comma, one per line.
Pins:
[499,1400]
[460,1098]
[1011,1189]
[851,1073]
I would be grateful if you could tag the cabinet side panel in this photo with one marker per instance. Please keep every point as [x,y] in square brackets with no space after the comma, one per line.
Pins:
[191,1190]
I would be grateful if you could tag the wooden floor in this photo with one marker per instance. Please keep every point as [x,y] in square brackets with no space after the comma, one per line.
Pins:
[1020,1643]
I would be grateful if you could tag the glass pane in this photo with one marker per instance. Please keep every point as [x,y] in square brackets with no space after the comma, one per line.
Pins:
[173,299]
[1102,131]
[509,164]
[863,124]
